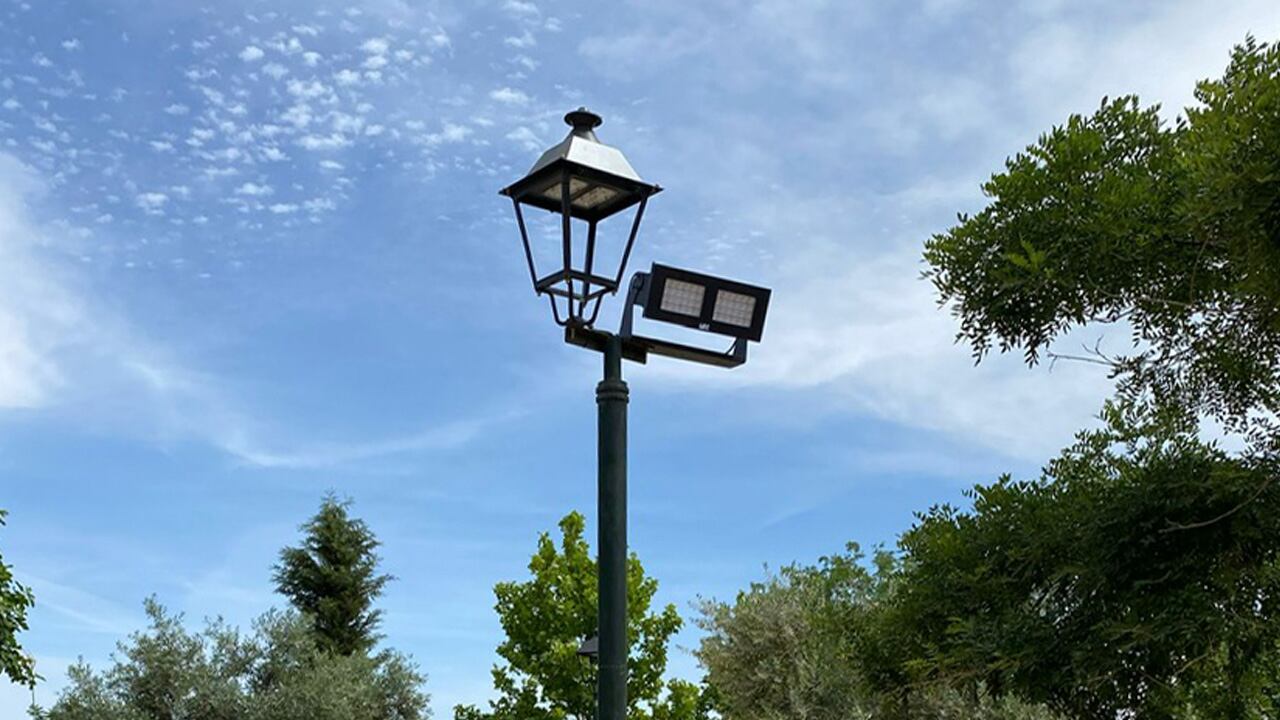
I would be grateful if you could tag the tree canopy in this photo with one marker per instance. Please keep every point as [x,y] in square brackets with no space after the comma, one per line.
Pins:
[1171,229]
[547,617]
[15,601]
[279,671]
[1138,575]
[333,579]
[810,643]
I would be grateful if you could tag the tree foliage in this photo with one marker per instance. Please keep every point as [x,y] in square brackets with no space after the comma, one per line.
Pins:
[332,578]
[1137,577]
[811,643]
[780,651]
[15,601]
[1171,229]
[547,617]
[278,672]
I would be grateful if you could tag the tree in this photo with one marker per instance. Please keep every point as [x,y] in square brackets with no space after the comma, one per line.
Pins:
[1173,230]
[333,578]
[780,651]
[547,617]
[1138,577]
[807,644]
[279,672]
[15,601]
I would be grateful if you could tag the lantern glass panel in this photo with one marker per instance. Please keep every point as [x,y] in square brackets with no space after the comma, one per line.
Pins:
[553,192]
[595,196]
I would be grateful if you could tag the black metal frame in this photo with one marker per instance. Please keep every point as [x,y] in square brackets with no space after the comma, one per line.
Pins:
[581,289]
[659,274]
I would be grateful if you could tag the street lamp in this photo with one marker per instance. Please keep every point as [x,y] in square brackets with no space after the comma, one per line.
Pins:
[584,180]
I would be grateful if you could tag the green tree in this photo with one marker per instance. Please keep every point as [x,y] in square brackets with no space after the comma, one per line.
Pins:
[1138,577]
[332,578]
[15,601]
[547,617]
[780,649]
[278,672]
[1171,229]
[808,643]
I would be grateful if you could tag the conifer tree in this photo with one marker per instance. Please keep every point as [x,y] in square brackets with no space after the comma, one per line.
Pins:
[333,578]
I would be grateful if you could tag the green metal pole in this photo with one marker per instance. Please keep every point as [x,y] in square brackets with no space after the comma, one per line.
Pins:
[611,399]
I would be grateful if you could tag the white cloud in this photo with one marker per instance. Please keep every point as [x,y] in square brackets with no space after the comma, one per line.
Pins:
[291,46]
[522,8]
[254,190]
[526,137]
[450,133]
[509,96]
[275,70]
[252,53]
[441,437]
[332,141]
[346,77]
[71,44]
[152,202]
[524,40]
[376,46]
[177,109]
[298,116]
[345,123]
[1067,64]
[308,89]
[318,205]
[283,208]
[37,313]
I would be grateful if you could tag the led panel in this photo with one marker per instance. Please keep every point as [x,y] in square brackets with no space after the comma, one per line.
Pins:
[734,309]
[683,297]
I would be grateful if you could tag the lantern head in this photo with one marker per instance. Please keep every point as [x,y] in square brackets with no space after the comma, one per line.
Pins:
[585,180]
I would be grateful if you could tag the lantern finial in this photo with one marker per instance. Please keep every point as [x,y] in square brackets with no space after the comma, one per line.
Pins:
[583,122]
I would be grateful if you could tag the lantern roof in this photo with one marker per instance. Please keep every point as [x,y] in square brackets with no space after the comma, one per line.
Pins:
[602,182]
[582,147]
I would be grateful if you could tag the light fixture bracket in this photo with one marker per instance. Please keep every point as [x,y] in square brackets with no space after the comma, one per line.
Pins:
[638,297]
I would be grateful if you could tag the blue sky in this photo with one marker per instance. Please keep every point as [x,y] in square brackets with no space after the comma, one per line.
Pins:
[251,252]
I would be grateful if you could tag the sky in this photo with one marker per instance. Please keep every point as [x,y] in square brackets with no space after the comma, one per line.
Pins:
[252,252]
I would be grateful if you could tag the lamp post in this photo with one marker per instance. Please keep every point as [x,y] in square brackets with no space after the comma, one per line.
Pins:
[585,181]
